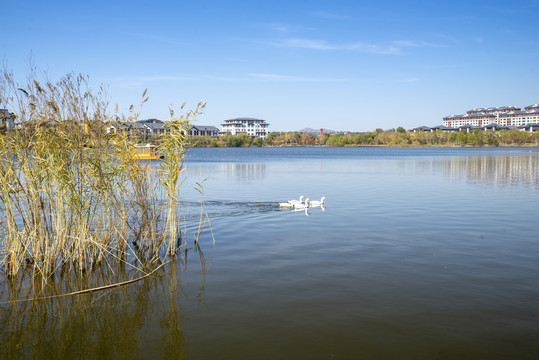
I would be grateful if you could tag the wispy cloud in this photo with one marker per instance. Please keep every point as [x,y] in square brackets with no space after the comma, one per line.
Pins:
[382,49]
[390,80]
[152,78]
[137,81]
[306,44]
[324,45]
[439,66]
[157,38]
[407,80]
[289,78]
[446,38]
[329,15]
[416,44]
[284,28]
[390,48]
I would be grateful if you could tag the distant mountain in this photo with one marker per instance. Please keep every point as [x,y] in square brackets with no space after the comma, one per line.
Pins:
[316,131]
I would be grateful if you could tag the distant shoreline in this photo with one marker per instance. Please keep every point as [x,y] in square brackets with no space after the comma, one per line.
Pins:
[388,138]
[382,146]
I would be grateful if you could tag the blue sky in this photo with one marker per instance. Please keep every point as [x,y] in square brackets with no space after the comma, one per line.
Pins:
[341,65]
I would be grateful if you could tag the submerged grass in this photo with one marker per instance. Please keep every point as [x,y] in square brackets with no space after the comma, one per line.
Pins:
[73,195]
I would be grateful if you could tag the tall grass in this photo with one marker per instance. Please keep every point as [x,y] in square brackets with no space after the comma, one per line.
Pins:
[73,196]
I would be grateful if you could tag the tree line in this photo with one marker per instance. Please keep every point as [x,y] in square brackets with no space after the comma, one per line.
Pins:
[394,137]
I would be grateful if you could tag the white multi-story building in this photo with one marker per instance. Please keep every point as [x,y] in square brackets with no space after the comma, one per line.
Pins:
[455,121]
[503,116]
[530,115]
[249,126]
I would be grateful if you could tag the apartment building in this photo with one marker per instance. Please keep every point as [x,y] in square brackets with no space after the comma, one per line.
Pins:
[503,116]
[246,125]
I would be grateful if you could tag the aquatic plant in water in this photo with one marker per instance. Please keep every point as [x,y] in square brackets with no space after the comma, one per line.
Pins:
[72,194]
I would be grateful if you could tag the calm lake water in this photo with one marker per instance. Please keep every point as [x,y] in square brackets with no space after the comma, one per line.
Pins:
[418,254]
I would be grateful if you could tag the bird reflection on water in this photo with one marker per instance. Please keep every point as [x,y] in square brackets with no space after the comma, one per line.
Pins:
[306,209]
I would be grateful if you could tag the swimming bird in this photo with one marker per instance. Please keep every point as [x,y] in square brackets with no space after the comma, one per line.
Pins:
[291,203]
[318,203]
[301,205]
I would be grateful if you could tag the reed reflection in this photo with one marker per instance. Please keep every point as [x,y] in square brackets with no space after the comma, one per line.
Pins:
[107,324]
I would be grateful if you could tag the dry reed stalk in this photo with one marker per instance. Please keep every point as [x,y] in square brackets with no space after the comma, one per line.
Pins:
[80,194]
[100,288]
[174,150]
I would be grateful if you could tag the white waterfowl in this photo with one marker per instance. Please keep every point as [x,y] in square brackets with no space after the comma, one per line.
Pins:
[292,203]
[301,205]
[297,202]
[318,203]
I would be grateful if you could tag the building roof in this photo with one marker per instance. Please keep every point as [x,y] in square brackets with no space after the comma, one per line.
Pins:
[494,126]
[499,108]
[205,128]
[246,118]
[153,126]
[443,127]
[137,125]
[151,121]
[530,112]
[230,122]
[469,116]
[241,119]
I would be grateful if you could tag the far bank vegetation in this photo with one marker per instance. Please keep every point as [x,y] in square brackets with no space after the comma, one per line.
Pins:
[394,137]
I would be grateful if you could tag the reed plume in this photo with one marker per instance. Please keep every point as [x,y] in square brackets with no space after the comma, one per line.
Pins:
[72,193]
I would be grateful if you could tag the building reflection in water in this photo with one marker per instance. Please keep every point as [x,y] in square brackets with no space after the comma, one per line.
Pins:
[247,172]
[494,171]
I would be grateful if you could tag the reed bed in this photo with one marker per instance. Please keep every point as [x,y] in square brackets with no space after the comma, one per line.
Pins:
[73,195]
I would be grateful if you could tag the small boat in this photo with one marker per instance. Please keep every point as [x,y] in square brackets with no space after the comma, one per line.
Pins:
[147,152]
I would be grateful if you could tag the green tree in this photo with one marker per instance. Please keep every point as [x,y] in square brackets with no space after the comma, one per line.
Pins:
[245,140]
[462,138]
[258,142]
[325,138]
[233,141]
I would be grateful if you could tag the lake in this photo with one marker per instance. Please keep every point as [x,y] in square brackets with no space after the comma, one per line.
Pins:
[419,253]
